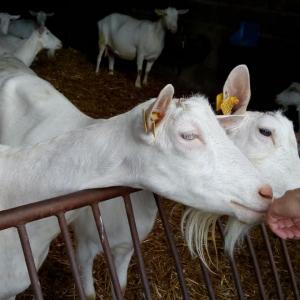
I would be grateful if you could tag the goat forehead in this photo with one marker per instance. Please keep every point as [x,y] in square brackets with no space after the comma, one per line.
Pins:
[271,120]
[197,105]
[281,123]
[196,113]
[41,14]
[194,108]
[171,11]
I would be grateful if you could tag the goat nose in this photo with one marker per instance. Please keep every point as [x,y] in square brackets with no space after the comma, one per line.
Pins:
[266,192]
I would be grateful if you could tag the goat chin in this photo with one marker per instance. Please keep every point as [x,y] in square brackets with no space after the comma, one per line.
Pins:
[196,226]
[234,234]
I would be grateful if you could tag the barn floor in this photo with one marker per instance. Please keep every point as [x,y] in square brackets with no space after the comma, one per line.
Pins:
[103,96]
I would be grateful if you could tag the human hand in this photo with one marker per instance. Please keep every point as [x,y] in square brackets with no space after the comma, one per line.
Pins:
[283,216]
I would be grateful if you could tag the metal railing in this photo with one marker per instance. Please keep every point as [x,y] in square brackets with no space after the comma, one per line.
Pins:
[19,216]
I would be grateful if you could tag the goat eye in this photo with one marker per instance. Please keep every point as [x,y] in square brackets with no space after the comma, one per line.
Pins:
[189,136]
[265,132]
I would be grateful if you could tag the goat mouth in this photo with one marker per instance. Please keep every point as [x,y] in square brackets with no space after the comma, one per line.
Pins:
[248,208]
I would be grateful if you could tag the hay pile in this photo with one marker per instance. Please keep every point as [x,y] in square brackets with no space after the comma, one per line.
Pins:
[103,96]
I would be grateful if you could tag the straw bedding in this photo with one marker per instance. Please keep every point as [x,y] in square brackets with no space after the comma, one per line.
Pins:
[102,96]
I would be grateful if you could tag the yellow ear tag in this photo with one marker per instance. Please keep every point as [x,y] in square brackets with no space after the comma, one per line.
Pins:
[154,118]
[226,105]
[219,101]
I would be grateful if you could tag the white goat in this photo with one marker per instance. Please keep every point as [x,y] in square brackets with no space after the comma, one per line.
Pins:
[37,112]
[41,17]
[268,140]
[5,20]
[117,151]
[23,28]
[26,50]
[132,39]
[274,155]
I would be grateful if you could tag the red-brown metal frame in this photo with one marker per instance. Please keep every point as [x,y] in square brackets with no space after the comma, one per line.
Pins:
[19,216]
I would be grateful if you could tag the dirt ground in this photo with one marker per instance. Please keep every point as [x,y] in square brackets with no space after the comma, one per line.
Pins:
[103,96]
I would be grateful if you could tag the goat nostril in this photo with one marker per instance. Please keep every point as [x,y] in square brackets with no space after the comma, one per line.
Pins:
[266,192]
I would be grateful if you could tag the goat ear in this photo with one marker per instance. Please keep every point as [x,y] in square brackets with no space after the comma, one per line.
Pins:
[230,121]
[238,84]
[160,12]
[15,17]
[50,14]
[182,11]
[33,13]
[156,112]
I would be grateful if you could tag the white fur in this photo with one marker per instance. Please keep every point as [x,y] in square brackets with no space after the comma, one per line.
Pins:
[197,240]
[116,151]
[5,20]
[278,162]
[276,158]
[26,50]
[131,39]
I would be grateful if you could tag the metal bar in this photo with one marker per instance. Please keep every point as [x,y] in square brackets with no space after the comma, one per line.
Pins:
[107,251]
[34,279]
[290,268]
[233,265]
[66,235]
[46,208]
[172,246]
[17,217]
[272,261]
[256,268]
[136,245]
[210,289]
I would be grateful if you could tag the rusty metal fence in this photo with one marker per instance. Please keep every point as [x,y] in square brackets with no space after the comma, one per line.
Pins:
[18,217]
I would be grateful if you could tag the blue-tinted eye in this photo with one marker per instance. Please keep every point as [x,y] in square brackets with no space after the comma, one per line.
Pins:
[265,132]
[189,136]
